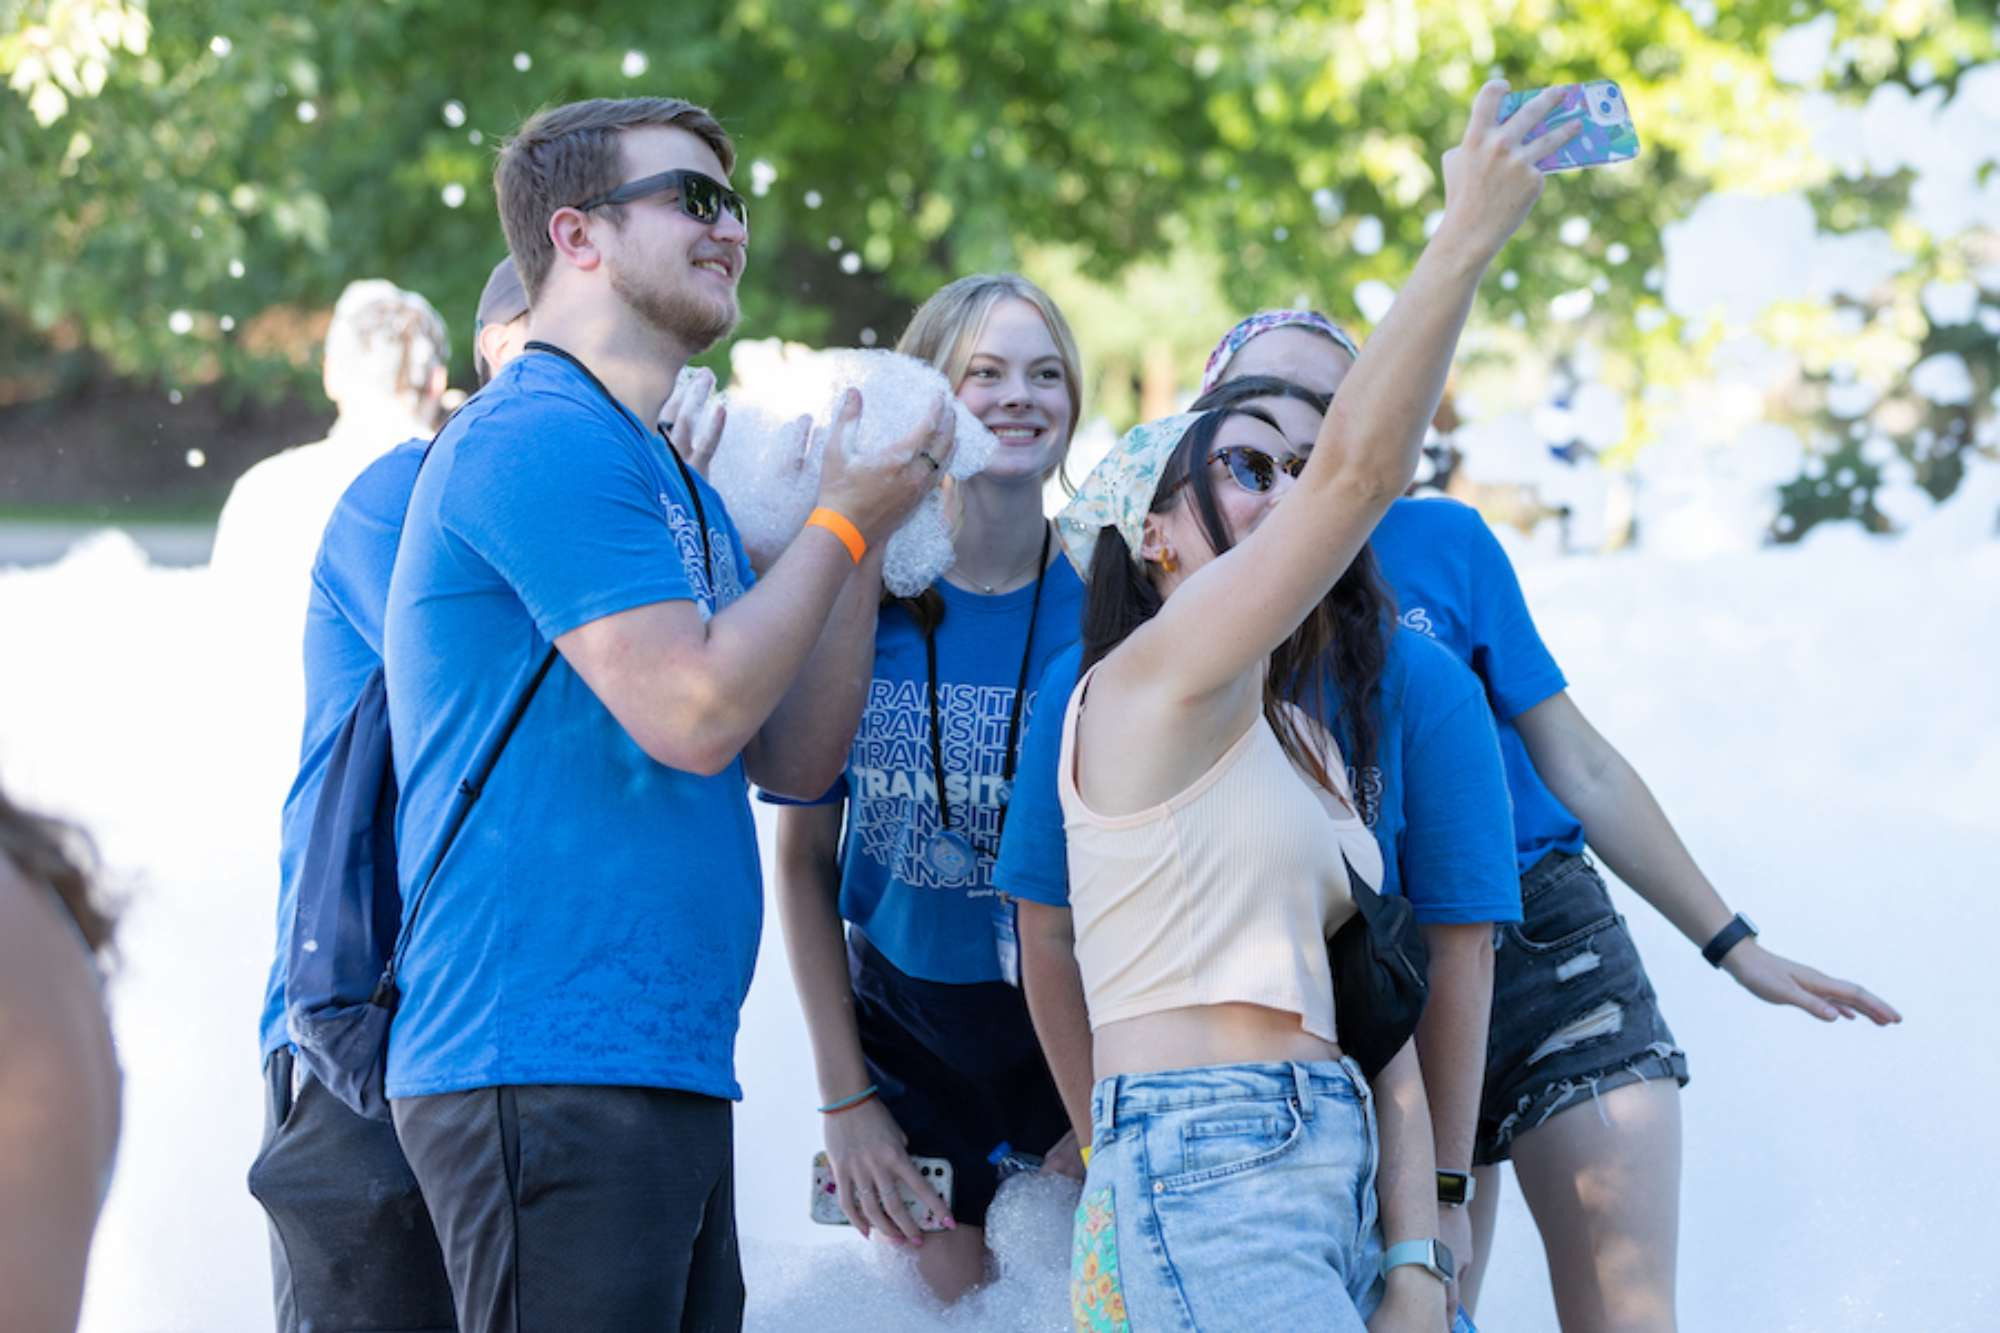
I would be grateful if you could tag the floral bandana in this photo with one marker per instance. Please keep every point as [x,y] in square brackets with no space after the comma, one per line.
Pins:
[1119,490]
[1263,322]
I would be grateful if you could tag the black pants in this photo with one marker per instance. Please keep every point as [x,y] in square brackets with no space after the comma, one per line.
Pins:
[351,1244]
[581,1208]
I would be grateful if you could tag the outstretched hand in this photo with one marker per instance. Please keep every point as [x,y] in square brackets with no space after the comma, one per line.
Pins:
[1490,179]
[1776,979]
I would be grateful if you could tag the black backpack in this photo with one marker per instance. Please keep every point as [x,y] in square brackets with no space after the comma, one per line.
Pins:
[349,930]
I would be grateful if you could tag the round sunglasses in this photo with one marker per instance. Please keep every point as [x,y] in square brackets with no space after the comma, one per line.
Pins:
[702,198]
[1253,469]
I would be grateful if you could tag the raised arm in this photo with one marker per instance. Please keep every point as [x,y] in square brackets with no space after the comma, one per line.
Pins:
[1239,608]
[692,694]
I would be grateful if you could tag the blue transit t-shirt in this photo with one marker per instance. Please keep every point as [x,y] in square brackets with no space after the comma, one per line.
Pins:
[1435,796]
[596,921]
[343,646]
[928,914]
[1454,583]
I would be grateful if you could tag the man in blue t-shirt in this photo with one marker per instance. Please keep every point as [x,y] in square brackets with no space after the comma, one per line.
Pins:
[561,1064]
[340,1197]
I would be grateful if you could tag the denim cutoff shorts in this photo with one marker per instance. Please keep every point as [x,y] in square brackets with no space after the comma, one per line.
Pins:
[1574,1014]
[1229,1197]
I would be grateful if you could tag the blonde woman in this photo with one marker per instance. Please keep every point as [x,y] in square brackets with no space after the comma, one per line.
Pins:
[901,949]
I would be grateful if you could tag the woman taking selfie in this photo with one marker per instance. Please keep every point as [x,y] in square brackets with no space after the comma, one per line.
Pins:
[1235,1177]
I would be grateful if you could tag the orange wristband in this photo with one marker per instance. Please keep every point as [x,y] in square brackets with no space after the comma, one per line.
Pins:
[837,524]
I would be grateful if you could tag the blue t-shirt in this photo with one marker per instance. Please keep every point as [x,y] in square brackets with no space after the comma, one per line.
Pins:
[597,919]
[343,646]
[925,916]
[1454,583]
[1435,797]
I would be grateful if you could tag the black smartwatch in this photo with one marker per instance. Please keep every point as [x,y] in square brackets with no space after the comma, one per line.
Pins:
[1455,1188]
[1739,929]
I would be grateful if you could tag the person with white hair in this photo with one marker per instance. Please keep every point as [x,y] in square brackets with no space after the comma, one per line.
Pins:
[385,370]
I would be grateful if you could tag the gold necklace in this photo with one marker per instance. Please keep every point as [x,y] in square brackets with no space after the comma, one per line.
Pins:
[989,588]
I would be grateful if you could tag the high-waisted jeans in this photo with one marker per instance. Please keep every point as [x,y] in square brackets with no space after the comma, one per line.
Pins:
[1229,1197]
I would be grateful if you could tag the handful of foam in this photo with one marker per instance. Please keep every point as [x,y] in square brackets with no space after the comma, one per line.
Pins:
[767,464]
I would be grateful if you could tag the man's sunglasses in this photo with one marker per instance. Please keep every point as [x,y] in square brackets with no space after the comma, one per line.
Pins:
[1253,469]
[702,198]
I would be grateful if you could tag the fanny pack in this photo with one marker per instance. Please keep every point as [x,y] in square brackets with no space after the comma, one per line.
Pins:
[1381,976]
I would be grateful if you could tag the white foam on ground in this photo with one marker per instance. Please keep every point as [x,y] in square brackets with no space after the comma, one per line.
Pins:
[1821,722]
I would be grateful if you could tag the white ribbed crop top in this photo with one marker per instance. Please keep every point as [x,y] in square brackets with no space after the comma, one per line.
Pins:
[1224,893]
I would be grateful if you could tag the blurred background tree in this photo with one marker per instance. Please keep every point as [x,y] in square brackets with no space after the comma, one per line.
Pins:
[193,183]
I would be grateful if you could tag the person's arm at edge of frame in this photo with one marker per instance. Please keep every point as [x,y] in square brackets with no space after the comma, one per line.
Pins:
[1625,825]
[1451,1042]
[1413,1299]
[808,893]
[1053,986]
[693,695]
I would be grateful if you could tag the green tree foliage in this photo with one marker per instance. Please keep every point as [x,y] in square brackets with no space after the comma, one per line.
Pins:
[192,181]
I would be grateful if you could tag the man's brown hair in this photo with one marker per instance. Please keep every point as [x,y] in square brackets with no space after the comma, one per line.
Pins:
[565,154]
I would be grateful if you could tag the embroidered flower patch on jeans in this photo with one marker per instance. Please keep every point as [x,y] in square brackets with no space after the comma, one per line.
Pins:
[1095,1298]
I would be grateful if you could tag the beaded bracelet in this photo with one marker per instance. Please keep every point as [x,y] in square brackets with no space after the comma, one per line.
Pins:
[849,1103]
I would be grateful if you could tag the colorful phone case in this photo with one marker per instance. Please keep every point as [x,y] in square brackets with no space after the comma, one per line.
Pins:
[826,1209]
[1608,133]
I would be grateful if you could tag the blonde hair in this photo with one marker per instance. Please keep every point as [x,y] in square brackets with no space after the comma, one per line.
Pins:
[945,330]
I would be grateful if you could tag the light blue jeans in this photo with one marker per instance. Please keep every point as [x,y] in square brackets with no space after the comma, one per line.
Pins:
[1229,1197]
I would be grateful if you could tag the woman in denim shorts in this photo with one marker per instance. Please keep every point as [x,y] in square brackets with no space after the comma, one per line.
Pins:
[1575,1024]
[1244,1172]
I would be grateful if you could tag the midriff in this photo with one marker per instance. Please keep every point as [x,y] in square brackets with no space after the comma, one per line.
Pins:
[1199,1035]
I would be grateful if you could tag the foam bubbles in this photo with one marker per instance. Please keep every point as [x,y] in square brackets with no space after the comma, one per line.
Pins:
[1945,379]
[1373,299]
[1950,302]
[767,466]
[1801,54]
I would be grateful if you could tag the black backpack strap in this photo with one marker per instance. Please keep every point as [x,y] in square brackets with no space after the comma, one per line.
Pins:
[468,791]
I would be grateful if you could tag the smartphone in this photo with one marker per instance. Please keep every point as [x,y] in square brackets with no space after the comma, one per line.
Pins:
[826,1209]
[1608,134]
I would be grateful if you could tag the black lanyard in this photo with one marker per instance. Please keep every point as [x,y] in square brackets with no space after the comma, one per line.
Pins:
[687,478]
[1013,716]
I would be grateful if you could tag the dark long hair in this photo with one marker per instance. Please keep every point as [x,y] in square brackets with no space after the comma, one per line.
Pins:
[60,857]
[1361,604]
[1348,632]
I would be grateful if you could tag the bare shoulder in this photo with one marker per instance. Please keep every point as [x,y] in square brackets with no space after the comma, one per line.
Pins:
[58,1074]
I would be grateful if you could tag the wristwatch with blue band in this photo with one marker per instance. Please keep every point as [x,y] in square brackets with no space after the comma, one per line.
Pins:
[1433,1256]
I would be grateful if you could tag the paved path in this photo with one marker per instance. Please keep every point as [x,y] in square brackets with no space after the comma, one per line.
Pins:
[26,543]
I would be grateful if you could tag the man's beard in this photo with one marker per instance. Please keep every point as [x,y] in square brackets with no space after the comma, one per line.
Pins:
[695,322]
